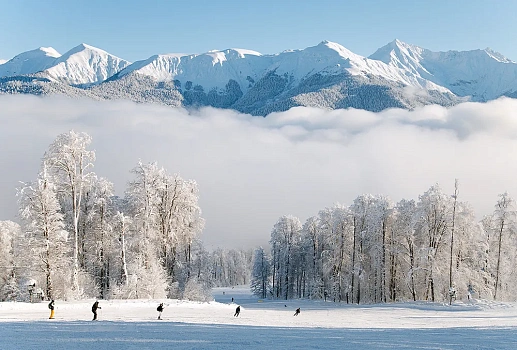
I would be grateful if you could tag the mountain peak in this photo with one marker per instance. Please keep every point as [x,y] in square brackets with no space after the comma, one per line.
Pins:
[396,51]
[84,65]
[397,42]
[29,62]
[83,47]
[341,50]
[49,51]
[497,56]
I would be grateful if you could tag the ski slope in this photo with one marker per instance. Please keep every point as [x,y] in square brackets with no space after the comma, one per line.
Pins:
[133,324]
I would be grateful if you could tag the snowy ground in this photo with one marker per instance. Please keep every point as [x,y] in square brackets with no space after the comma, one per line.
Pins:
[133,324]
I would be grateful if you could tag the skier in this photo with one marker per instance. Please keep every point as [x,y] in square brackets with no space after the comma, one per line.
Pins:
[237,311]
[94,310]
[160,310]
[297,312]
[51,307]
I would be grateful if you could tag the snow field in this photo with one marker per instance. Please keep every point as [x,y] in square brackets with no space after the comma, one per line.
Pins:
[263,324]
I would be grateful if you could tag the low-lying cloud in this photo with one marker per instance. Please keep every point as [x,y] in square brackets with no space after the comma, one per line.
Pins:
[252,170]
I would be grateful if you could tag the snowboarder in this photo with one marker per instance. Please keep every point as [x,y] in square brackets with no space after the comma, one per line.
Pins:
[94,310]
[297,312]
[237,311]
[232,300]
[160,310]
[51,307]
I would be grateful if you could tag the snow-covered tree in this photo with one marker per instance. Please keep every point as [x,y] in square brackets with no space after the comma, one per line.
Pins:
[260,274]
[284,238]
[97,238]
[9,270]
[404,250]
[46,237]
[197,291]
[165,210]
[68,162]
[434,210]
[504,225]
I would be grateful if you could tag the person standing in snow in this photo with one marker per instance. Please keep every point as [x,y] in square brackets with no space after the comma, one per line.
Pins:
[160,310]
[51,307]
[297,312]
[95,306]
[237,311]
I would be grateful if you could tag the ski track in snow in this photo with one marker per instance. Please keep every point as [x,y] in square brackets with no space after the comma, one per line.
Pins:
[133,324]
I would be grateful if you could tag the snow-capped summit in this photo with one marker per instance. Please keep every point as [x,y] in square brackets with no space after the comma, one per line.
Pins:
[212,69]
[463,72]
[497,56]
[329,58]
[404,56]
[325,58]
[29,62]
[84,65]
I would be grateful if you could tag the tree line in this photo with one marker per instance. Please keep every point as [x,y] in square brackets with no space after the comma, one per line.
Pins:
[377,251]
[78,239]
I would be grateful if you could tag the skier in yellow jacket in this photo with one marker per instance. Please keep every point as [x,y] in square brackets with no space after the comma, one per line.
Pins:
[51,307]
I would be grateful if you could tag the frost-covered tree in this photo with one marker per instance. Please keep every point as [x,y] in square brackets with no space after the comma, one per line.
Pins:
[197,291]
[504,225]
[46,237]
[9,260]
[284,238]
[230,267]
[434,210]
[97,237]
[313,246]
[260,274]
[68,162]
[404,263]
[361,224]
[336,229]
[165,211]
[121,228]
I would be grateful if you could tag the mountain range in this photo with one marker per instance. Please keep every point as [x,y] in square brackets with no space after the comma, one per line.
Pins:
[397,75]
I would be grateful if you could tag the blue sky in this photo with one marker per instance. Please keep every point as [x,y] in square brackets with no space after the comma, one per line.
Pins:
[135,30]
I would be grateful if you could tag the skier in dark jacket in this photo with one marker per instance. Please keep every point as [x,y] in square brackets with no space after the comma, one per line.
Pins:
[160,310]
[297,312]
[237,311]
[51,307]
[94,310]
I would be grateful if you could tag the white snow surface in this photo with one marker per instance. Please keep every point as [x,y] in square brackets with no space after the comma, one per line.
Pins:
[29,62]
[85,64]
[215,68]
[262,324]
[211,70]
[480,74]
[463,72]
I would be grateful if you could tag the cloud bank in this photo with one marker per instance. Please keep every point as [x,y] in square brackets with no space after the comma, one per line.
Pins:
[252,170]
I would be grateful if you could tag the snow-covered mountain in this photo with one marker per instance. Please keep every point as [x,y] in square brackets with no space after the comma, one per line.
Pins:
[211,70]
[85,64]
[82,65]
[29,62]
[481,75]
[326,75]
